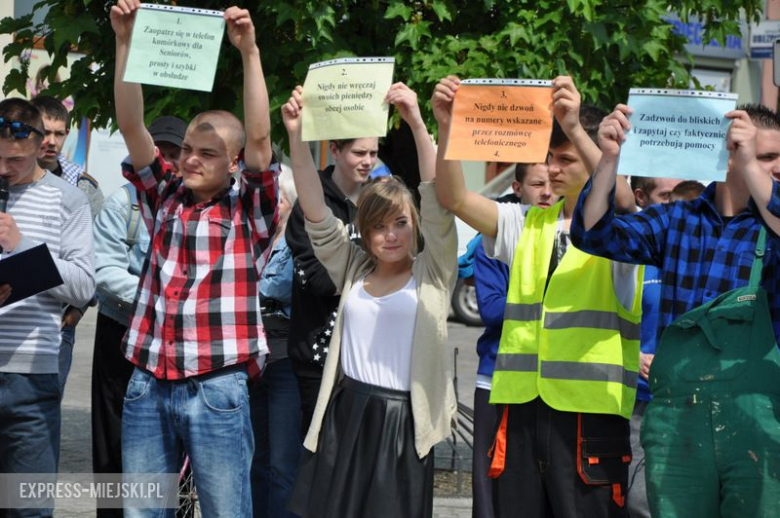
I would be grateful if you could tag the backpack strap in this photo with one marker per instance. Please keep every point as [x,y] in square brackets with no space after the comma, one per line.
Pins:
[133,218]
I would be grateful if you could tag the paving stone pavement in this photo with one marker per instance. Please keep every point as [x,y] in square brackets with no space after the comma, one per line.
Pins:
[76,445]
[452,508]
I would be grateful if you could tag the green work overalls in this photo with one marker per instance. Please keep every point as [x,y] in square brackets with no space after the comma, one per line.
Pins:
[712,432]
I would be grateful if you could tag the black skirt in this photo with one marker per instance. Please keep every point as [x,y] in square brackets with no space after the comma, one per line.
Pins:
[365,464]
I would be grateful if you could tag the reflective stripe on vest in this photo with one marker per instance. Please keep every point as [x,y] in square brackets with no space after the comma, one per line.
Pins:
[605,372]
[517,362]
[592,319]
[574,345]
[575,371]
[523,312]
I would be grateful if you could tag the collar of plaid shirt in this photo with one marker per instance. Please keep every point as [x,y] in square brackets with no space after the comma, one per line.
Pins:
[70,171]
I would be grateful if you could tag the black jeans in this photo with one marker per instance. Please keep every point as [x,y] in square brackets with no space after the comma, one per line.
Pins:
[483,488]
[309,379]
[111,372]
[543,477]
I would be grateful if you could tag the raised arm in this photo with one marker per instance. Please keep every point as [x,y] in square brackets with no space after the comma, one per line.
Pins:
[257,121]
[310,195]
[741,140]
[637,238]
[566,108]
[612,133]
[405,101]
[128,97]
[477,211]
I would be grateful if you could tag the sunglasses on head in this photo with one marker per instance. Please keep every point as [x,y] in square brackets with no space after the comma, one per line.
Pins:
[17,129]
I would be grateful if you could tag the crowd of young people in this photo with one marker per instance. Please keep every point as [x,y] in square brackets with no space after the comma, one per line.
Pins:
[350,286]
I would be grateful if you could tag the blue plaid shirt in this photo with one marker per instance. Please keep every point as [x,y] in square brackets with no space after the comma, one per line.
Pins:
[700,255]
[70,171]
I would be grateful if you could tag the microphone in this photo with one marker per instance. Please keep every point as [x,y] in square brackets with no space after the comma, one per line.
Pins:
[3,198]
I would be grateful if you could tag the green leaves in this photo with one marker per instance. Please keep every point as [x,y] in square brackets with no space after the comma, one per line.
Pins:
[413,33]
[398,10]
[606,46]
[441,10]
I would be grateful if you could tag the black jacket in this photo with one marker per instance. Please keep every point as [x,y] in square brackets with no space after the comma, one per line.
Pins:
[314,297]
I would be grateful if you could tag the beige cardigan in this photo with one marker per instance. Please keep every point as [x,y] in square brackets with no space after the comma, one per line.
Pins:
[434,270]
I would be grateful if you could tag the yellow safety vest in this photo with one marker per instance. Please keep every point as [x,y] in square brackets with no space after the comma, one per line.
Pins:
[573,344]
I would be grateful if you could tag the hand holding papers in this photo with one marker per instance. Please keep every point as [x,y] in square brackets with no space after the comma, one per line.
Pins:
[344,98]
[501,120]
[175,46]
[677,134]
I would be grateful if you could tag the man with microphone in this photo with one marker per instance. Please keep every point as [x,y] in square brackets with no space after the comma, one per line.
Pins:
[40,209]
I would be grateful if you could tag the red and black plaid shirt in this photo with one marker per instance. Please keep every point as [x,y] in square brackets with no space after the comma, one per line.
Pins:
[198,308]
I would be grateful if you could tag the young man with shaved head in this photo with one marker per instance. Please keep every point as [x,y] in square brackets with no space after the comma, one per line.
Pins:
[196,330]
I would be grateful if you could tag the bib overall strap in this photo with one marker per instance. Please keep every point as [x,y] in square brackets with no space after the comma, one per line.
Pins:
[758,260]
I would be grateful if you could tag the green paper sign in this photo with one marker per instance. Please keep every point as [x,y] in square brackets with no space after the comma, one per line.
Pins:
[175,46]
[345,98]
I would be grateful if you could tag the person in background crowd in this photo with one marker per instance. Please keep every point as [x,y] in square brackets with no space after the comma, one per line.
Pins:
[275,400]
[650,190]
[688,190]
[56,123]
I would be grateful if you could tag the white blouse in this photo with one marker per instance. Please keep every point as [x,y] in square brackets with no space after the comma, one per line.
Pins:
[377,336]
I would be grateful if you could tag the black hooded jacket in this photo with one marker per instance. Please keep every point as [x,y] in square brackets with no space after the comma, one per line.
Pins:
[314,297]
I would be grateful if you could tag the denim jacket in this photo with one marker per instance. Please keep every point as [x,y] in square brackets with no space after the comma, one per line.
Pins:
[119,257]
[275,299]
[276,282]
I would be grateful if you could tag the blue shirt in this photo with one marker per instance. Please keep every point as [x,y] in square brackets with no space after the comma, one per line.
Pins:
[491,280]
[651,302]
[119,257]
[699,254]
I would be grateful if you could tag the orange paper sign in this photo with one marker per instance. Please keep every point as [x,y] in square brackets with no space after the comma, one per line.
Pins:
[501,120]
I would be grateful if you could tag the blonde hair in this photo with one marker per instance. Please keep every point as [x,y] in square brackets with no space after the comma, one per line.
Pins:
[378,201]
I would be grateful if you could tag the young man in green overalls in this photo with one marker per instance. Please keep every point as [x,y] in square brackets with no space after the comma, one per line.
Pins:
[711,434]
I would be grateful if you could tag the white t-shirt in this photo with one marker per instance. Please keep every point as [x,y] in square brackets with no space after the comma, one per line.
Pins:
[378,335]
[511,220]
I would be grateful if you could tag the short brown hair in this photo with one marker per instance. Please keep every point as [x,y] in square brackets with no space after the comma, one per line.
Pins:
[52,108]
[25,112]
[379,200]
[340,143]
[688,190]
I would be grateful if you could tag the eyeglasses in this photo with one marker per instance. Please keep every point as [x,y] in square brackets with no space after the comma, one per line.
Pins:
[18,129]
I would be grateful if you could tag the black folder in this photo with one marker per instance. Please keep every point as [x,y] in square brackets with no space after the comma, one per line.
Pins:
[29,273]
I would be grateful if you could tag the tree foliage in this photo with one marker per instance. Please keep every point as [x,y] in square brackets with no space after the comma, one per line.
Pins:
[606,45]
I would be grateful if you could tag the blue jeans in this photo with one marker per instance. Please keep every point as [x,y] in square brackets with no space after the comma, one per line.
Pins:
[276,421]
[206,417]
[29,428]
[67,339]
